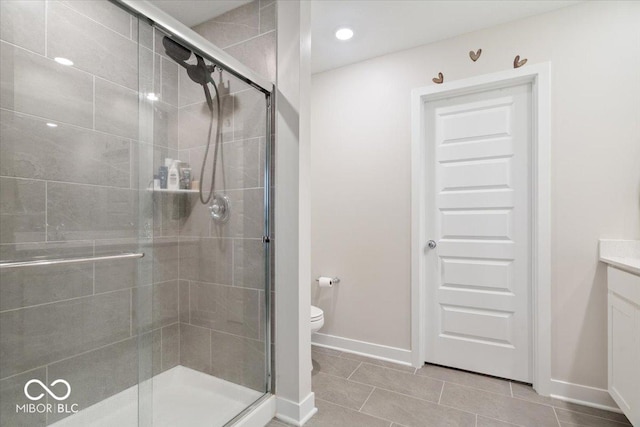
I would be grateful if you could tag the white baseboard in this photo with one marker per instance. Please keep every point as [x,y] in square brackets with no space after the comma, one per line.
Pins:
[260,415]
[296,413]
[377,351]
[583,395]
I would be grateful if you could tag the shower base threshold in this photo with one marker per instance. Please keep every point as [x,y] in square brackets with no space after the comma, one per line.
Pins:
[180,397]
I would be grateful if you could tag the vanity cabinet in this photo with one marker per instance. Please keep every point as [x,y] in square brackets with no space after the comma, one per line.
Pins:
[624,341]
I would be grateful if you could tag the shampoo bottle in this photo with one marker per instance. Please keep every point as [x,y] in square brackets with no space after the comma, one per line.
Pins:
[173,180]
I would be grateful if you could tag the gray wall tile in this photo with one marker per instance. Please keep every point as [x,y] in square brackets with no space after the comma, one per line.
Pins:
[156,305]
[92,47]
[238,165]
[22,210]
[166,260]
[265,3]
[196,118]
[99,374]
[239,360]
[39,86]
[232,27]
[248,263]
[258,53]
[142,32]
[23,287]
[268,18]
[40,335]
[247,219]
[105,13]
[119,274]
[165,125]
[195,348]
[12,394]
[30,149]
[116,109]
[250,110]
[23,23]
[169,80]
[184,300]
[87,212]
[225,308]
[170,346]
[206,260]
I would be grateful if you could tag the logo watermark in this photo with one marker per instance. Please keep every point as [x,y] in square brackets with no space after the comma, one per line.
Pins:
[51,408]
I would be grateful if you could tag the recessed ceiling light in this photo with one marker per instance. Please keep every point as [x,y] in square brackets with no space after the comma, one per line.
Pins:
[344,33]
[152,96]
[52,125]
[63,61]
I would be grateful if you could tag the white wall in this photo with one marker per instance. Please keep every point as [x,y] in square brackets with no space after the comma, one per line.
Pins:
[361,172]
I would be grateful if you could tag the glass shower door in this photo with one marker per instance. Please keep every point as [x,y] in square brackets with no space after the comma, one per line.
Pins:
[75,288]
[124,298]
[212,128]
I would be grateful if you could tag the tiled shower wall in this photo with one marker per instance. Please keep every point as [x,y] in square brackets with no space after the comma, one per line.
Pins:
[72,190]
[222,265]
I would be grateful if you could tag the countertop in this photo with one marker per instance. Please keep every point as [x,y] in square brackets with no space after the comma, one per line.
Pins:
[623,254]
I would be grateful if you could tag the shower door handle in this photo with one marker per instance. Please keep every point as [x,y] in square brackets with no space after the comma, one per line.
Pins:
[58,261]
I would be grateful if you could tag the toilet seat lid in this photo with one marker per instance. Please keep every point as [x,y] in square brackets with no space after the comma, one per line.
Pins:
[316,312]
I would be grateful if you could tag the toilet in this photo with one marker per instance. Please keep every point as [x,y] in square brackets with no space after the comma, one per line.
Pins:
[317,321]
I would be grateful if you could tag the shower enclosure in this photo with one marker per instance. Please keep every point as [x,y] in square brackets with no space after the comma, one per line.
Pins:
[123,302]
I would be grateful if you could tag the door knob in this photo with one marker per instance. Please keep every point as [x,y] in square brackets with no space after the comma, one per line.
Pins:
[432,244]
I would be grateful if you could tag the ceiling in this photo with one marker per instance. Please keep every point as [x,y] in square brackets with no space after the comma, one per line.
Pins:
[384,26]
[380,26]
[194,12]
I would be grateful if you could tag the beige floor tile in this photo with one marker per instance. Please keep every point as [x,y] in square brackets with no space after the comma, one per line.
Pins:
[526,392]
[378,362]
[412,412]
[421,387]
[491,422]
[468,379]
[497,406]
[580,419]
[329,351]
[340,391]
[333,365]
[331,415]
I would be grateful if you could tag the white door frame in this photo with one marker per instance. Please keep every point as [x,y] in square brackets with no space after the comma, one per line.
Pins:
[539,76]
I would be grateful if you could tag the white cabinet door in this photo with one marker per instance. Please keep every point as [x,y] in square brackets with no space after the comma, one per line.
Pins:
[624,342]
[478,210]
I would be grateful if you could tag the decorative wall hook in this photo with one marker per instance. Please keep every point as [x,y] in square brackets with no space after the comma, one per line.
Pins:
[439,79]
[517,63]
[475,55]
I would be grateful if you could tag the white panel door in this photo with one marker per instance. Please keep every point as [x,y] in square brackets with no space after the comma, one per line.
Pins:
[478,214]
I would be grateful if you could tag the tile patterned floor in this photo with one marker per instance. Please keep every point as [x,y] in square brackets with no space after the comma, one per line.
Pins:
[356,391]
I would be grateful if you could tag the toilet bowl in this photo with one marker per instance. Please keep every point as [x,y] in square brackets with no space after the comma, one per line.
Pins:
[317,321]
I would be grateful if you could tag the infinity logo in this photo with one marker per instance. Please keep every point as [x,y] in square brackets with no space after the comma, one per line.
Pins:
[51,393]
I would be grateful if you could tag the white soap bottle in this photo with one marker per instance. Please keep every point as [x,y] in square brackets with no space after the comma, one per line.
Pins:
[173,179]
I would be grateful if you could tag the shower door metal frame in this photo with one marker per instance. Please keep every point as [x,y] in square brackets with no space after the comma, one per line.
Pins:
[198,44]
[190,39]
